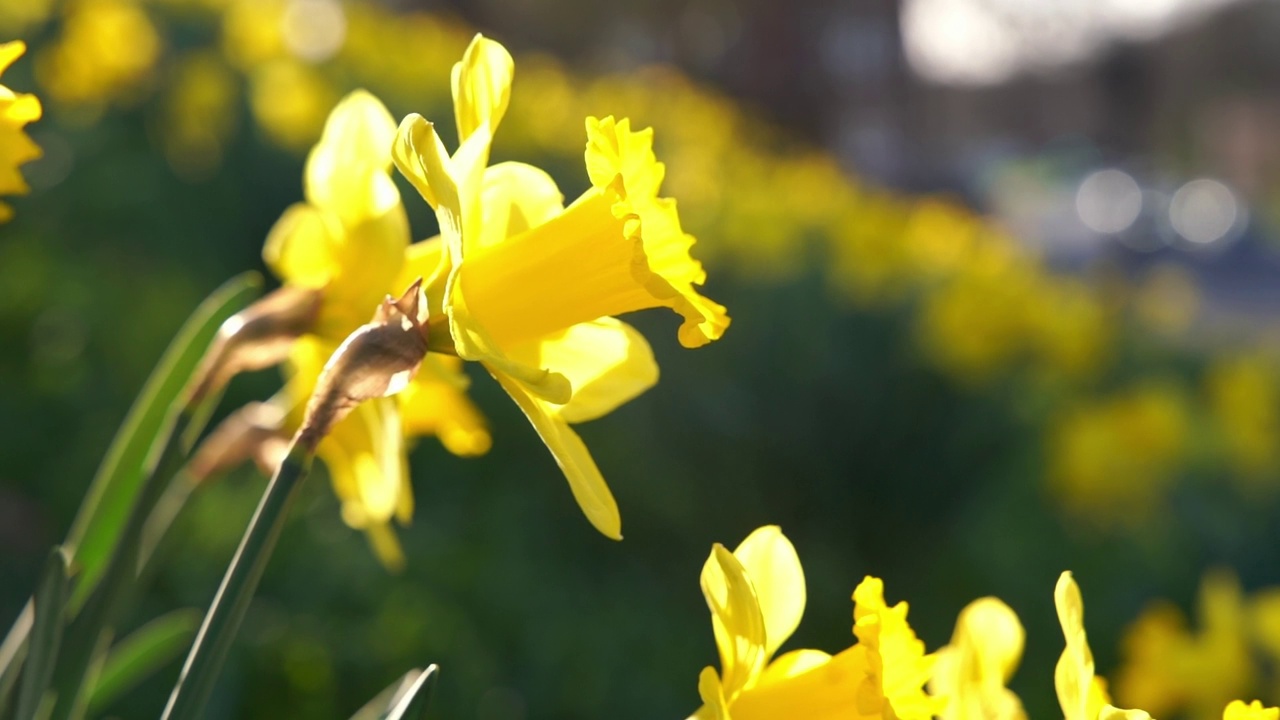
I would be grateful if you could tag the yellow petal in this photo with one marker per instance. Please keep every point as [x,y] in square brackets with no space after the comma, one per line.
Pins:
[585,481]
[774,568]
[385,545]
[420,156]
[300,248]
[1238,710]
[367,450]
[796,662]
[436,403]
[347,170]
[9,52]
[714,706]
[1073,676]
[515,197]
[1109,712]
[972,670]
[429,261]
[735,619]
[481,86]
[828,690]
[606,362]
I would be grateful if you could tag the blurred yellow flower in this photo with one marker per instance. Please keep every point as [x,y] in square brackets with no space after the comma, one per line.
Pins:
[1170,670]
[199,111]
[105,54]
[16,110]
[972,671]
[290,100]
[1082,695]
[348,241]
[757,595]
[1243,394]
[1237,710]
[528,287]
[1111,458]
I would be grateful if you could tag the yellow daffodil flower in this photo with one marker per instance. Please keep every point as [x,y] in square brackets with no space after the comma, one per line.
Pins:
[972,671]
[348,242]
[1237,710]
[16,110]
[529,287]
[756,595]
[1082,695]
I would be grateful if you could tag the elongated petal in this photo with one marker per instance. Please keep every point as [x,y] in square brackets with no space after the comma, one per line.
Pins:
[481,86]
[515,198]
[347,170]
[774,568]
[571,454]
[301,247]
[1073,676]
[736,620]
[606,362]
[366,448]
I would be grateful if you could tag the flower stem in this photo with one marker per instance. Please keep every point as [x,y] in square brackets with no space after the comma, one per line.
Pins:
[222,622]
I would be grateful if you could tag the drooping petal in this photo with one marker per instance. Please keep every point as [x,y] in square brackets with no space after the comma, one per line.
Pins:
[369,443]
[481,86]
[346,171]
[736,620]
[606,362]
[436,403]
[585,481]
[774,568]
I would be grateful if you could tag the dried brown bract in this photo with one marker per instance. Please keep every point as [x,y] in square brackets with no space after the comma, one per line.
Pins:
[377,360]
[254,432]
[256,338]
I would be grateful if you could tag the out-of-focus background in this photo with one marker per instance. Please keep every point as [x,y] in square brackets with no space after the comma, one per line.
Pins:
[1003,280]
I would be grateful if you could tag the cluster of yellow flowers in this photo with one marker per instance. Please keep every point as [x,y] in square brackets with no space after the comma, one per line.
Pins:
[756,595]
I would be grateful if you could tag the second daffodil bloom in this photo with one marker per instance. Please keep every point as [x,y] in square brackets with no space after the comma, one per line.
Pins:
[1082,694]
[757,595]
[529,287]
[347,243]
[16,110]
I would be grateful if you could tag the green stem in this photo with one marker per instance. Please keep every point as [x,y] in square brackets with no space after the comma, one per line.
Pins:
[222,622]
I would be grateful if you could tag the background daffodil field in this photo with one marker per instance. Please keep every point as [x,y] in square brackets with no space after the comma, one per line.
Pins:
[1003,285]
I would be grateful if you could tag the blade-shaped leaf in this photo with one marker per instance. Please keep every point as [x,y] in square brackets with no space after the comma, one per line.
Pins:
[145,650]
[412,705]
[381,704]
[13,652]
[46,634]
[115,486]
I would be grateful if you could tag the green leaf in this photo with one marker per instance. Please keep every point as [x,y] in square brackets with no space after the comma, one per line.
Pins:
[381,704]
[226,613]
[115,486]
[46,634]
[412,705]
[146,650]
[13,651]
[405,699]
